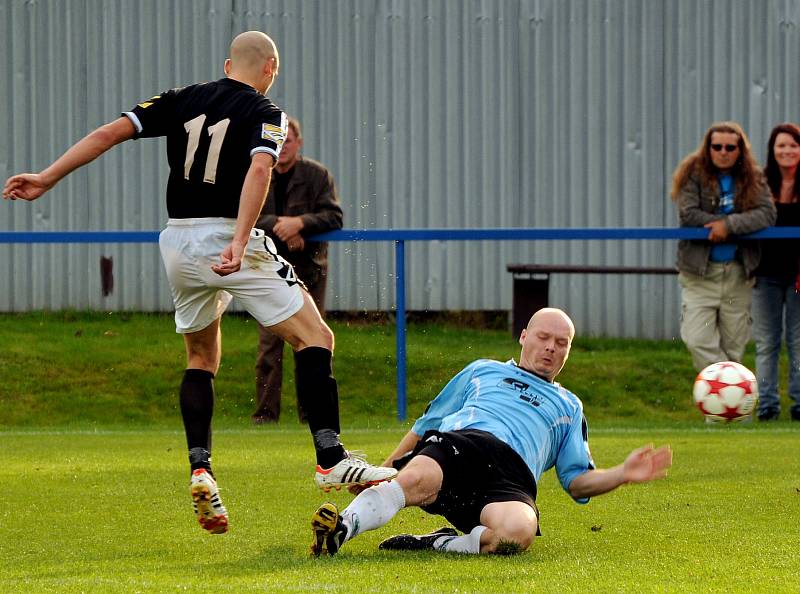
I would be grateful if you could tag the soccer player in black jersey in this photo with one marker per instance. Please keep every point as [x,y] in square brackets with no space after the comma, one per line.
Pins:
[223,138]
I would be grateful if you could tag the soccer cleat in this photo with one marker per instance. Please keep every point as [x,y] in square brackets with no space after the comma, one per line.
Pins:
[411,542]
[329,531]
[353,470]
[207,504]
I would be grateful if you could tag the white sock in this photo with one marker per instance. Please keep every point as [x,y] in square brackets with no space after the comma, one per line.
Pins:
[373,508]
[466,543]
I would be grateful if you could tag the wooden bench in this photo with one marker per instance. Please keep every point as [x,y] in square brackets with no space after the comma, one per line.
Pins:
[531,289]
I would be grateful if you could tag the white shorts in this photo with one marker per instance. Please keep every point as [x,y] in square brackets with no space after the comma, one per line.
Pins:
[265,286]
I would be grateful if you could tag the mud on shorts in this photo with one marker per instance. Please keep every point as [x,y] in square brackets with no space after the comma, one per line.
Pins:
[266,285]
[478,469]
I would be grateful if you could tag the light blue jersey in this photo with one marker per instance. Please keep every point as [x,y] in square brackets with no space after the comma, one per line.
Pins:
[541,421]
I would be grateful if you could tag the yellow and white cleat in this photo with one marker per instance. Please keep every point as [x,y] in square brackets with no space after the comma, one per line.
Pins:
[208,508]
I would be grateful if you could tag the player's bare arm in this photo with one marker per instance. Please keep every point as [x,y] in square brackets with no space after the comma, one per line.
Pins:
[30,186]
[644,464]
[406,444]
[254,192]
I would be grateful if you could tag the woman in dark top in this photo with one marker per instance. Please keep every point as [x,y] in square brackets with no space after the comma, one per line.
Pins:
[776,301]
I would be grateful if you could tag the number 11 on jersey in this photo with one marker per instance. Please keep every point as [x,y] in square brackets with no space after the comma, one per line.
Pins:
[217,133]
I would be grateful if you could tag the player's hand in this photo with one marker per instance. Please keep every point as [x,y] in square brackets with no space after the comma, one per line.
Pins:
[230,260]
[287,227]
[25,186]
[295,243]
[647,464]
[717,231]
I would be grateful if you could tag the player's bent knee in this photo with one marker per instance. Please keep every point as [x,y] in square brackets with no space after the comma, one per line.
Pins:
[313,329]
[421,481]
[202,353]
[303,330]
[521,534]
[512,526]
[320,336]
[326,336]
[509,540]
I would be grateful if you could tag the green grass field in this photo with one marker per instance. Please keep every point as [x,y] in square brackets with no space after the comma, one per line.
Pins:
[110,512]
[95,480]
[93,369]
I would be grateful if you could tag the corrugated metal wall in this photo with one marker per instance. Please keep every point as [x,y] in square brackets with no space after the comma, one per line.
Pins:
[430,113]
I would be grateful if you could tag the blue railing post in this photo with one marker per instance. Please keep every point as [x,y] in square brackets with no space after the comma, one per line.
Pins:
[400,298]
[400,236]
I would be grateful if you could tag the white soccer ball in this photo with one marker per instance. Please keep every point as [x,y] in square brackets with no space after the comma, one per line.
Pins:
[726,392]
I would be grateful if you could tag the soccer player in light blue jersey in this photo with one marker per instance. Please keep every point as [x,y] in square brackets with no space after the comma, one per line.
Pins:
[479,449]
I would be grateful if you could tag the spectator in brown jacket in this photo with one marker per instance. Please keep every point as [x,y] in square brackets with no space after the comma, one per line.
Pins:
[301,202]
[721,188]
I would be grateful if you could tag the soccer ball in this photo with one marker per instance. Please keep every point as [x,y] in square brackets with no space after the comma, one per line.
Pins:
[726,392]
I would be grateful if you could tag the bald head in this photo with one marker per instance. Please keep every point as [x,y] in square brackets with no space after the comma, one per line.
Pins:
[546,342]
[552,315]
[253,59]
[251,49]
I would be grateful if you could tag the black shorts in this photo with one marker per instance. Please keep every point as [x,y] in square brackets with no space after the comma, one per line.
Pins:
[478,469]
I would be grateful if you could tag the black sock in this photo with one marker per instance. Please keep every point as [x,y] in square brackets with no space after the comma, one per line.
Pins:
[197,408]
[200,458]
[319,396]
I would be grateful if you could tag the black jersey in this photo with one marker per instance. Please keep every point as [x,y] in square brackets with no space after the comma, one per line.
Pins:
[213,129]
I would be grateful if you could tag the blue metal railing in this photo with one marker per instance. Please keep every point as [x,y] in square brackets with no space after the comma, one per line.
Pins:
[399,237]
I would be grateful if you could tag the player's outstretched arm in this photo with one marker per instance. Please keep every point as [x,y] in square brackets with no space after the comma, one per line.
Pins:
[647,464]
[30,186]
[644,464]
[254,191]
[406,444]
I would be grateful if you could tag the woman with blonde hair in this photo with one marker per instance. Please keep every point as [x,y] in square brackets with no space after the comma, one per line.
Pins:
[719,187]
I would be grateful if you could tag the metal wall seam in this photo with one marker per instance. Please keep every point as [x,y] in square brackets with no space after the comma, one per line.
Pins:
[430,113]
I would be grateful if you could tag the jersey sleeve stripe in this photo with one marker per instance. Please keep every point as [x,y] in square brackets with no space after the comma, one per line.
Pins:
[265,149]
[134,120]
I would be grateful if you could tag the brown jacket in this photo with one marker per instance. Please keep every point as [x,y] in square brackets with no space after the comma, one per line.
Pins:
[311,195]
[697,204]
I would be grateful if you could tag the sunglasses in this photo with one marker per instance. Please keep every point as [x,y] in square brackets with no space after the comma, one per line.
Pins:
[728,147]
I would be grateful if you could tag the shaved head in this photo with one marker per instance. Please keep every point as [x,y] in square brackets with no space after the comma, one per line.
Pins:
[253,60]
[546,342]
[251,49]
[553,315]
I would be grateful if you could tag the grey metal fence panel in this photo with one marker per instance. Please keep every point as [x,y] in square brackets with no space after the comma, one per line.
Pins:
[430,113]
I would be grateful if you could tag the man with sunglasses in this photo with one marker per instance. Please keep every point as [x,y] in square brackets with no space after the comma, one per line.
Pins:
[720,187]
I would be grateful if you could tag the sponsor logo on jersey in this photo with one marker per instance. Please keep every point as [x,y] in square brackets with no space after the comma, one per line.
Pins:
[274,133]
[522,389]
[149,102]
